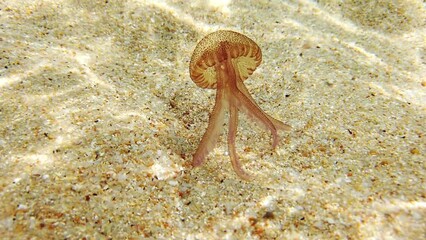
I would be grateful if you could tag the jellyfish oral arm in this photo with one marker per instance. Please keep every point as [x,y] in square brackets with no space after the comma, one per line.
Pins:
[233,124]
[217,116]
[213,131]
[246,103]
[278,124]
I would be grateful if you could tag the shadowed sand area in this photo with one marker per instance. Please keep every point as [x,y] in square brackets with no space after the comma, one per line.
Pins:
[99,121]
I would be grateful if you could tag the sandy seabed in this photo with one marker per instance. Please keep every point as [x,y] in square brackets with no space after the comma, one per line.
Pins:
[99,120]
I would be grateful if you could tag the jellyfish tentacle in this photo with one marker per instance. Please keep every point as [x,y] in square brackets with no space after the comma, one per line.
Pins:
[233,123]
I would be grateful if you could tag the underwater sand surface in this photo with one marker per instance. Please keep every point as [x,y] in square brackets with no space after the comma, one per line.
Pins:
[99,120]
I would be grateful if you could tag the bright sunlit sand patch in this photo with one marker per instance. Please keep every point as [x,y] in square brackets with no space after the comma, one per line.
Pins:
[5,81]
[405,214]
[34,69]
[220,5]
[189,19]
[44,157]
[40,98]
[403,205]
[269,202]
[38,160]
[410,93]
[131,114]
[359,49]
[84,59]
[164,168]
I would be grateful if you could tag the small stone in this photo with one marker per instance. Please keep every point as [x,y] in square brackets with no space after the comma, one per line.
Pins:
[415,151]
